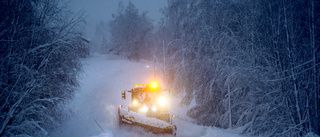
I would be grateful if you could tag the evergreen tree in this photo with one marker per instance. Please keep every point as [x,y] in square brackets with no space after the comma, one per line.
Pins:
[130,32]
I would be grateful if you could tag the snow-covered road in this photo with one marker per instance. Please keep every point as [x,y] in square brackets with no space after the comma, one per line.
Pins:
[104,77]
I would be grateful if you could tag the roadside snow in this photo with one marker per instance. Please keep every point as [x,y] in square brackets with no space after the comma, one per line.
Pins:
[106,133]
[104,78]
[188,129]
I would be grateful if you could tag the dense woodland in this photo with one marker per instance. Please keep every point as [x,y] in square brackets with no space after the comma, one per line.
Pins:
[40,48]
[253,66]
[131,33]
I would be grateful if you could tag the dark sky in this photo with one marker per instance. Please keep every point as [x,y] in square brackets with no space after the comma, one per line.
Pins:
[101,10]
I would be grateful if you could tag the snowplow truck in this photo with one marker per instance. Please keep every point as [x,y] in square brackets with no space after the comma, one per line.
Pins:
[148,109]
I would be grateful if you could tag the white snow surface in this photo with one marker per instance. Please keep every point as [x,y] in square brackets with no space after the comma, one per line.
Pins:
[103,80]
[106,133]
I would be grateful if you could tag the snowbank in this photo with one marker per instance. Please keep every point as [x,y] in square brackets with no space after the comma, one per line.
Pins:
[106,133]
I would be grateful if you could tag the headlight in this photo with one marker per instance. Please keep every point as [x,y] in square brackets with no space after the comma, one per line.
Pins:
[154,108]
[135,102]
[162,101]
[144,109]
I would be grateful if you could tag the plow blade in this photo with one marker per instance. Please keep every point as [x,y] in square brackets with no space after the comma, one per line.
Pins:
[153,125]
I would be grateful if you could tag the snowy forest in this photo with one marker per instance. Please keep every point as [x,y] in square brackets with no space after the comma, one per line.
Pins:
[253,66]
[40,50]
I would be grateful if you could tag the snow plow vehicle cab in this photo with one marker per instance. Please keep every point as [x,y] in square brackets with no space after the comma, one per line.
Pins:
[148,109]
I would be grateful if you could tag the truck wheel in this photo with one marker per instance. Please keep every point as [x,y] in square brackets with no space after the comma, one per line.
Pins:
[174,130]
[119,116]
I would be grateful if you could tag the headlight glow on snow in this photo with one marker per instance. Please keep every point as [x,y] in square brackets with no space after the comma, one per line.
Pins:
[154,109]
[162,101]
[144,109]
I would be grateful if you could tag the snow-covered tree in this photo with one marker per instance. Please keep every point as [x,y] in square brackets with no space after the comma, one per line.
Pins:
[100,42]
[251,65]
[130,33]
[40,51]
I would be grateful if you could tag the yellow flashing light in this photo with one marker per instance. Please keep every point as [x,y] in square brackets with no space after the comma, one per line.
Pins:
[154,84]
